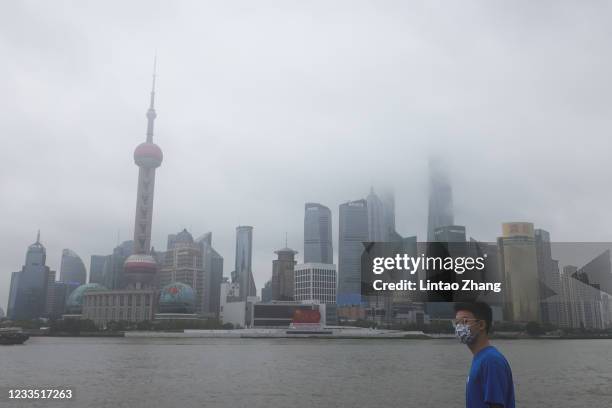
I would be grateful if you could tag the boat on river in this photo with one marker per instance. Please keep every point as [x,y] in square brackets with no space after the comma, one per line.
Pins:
[12,335]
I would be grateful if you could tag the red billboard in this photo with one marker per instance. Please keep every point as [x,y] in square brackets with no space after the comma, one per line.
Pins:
[306,316]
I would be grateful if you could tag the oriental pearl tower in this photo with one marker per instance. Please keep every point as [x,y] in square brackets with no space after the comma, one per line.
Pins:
[140,268]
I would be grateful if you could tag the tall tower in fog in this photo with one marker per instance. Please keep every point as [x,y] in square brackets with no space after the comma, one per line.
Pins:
[318,234]
[140,267]
[387,197]
[440,200]
[244,259]
[353,232]
[381,216]
[377,231]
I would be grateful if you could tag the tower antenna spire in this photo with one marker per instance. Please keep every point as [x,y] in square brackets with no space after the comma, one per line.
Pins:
[153,83]
[38,237]
[151,114]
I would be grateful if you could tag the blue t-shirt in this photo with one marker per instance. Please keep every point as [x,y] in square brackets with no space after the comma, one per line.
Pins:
[490,380]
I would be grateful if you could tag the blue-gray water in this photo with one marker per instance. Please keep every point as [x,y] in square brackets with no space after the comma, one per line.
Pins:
[187,373]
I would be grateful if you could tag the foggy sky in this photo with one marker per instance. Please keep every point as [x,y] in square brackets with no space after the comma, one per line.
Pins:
[263,106]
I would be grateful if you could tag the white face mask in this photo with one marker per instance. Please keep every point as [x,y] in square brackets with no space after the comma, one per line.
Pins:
[465,334]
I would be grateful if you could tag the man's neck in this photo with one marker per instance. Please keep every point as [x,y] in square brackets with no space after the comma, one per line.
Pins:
[481,342]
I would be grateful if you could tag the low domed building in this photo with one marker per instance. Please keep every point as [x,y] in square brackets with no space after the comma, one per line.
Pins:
[176,297]
[74,303]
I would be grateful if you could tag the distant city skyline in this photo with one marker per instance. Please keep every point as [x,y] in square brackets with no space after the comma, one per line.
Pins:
[334,230]
[190,273]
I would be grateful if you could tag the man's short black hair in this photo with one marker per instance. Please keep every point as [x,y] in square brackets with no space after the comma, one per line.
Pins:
[480,310]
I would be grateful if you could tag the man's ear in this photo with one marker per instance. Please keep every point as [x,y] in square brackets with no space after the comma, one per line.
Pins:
[483,326]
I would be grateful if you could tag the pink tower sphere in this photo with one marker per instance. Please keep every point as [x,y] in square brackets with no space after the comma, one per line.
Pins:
[148,155]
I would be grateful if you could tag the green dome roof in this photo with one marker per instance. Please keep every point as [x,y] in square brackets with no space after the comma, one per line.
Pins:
[74,303]
[176,297]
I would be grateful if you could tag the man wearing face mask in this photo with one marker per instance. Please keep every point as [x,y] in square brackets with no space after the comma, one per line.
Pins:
[489,384]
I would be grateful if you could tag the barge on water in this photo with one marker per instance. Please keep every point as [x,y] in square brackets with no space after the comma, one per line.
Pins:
[12,335]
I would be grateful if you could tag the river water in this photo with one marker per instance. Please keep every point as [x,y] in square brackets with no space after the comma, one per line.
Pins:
[185,373]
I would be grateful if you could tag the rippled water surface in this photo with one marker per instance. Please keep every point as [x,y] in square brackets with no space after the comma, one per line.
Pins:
[185,373]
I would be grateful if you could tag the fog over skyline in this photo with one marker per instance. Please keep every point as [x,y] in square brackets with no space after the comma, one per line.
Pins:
[264,107]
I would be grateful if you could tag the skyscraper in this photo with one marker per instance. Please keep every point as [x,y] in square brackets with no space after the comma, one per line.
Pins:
[599,272]
[352,233]
[183,263]
[10,310]
[583,304]
[243,262]
[140,268]
[590,302]
[315,282]
[50,298]
[266,292]
[58,293]
[593,291]
[491,273]
[387,197]
[72,268]
[381,216]
[96,268]
[451,238]
[114,265]
[212,262]
[519,268]
[440,200]
[548,273]
[283,274]
[28,294]
[318,234]
[569,310]
[377,231]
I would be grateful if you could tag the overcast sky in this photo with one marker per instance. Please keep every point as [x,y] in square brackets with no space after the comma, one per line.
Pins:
[263,106]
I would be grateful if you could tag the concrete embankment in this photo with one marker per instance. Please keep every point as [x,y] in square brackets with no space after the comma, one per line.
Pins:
[327,333]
